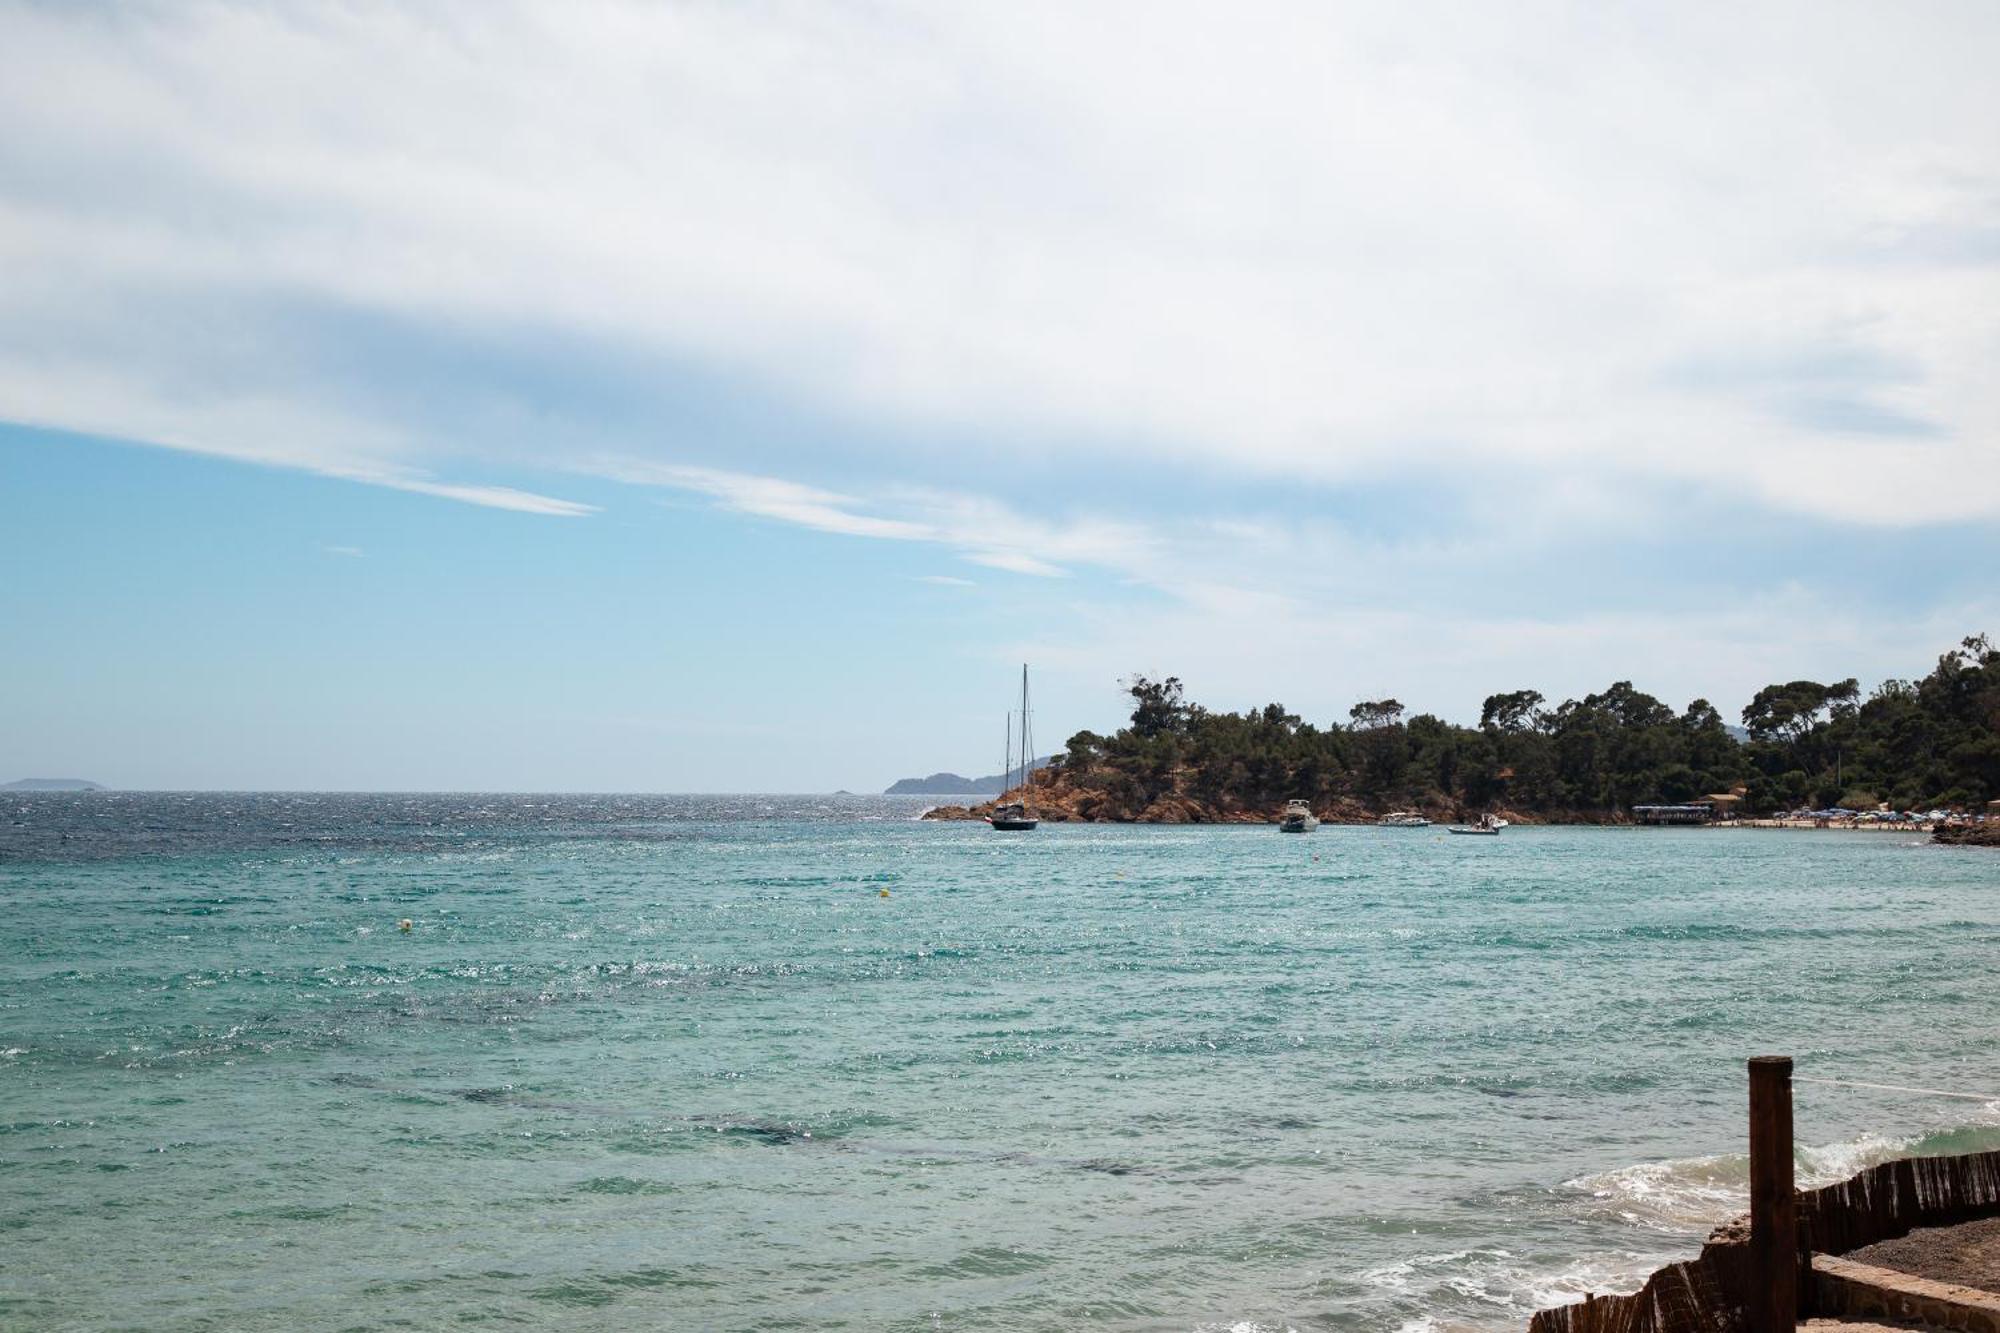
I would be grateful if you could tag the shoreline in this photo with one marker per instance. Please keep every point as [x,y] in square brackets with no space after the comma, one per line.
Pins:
[1974,835]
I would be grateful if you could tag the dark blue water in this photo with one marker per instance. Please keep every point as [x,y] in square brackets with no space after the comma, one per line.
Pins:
[715,1062]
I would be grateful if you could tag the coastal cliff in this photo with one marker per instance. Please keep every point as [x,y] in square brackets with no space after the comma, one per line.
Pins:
[1968,835]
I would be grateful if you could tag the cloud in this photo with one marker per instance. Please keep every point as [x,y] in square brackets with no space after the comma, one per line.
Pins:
[1835,388]
[1310,246]
[946,581]
[1015,562]
[117,403]
[775,498]
[1560,596]
[493,497]
[1319,659]
[981,531]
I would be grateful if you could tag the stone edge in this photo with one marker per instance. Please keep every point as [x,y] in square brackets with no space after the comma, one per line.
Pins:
[1843,1287]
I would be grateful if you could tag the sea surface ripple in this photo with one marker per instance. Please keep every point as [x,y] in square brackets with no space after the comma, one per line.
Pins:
[769,1062]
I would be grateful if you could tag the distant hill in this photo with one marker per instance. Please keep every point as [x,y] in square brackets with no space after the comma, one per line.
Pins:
[51,784]
[951,784]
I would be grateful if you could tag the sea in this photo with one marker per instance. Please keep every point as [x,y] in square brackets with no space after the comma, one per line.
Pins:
[754,1062]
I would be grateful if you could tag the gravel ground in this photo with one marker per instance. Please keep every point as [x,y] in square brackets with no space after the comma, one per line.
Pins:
[1968,1254]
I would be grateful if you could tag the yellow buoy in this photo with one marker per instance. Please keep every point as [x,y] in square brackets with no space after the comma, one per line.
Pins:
[883,893]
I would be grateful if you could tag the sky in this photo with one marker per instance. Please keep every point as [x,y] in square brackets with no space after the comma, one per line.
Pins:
[482,396]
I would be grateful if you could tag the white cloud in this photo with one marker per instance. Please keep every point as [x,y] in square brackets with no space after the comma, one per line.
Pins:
[249,428]
[981,531]
[1016,562]
[493,497]
[1296,244]
[946,581]
[774,498]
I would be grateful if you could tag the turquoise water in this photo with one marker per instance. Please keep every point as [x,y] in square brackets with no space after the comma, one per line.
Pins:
[677,1063]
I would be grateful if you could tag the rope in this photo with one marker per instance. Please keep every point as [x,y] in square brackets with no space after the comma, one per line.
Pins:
[1891,1087]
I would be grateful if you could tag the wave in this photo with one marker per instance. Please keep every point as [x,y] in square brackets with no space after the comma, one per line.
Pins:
[1681,1199]
[1691,1194]
[1509,1284]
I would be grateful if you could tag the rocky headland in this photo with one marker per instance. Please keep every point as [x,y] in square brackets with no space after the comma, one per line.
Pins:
[1811,746]
[1968,835]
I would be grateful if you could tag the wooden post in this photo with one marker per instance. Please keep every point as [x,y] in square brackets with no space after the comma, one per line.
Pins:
[1774,1217]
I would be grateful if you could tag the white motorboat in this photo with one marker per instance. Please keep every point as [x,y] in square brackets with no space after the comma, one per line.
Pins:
[1489,826]
[1297,818]
[1403,819]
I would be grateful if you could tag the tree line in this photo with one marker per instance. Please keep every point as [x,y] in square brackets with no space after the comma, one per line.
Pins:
[1914,744]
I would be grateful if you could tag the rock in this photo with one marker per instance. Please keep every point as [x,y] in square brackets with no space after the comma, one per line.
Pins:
[1173,810]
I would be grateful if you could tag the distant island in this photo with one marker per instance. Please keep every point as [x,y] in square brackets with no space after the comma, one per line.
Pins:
[951,784]
[1910,745]
[51,784]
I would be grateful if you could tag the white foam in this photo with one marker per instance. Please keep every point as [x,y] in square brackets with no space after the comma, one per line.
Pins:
[1684,1194]
[1692,1194]
[1682,1197]
[1833,1162]
[1502,1279]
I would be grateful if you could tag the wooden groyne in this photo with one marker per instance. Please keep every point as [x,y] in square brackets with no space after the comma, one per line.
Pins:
[1891,1200]
[1754,1274]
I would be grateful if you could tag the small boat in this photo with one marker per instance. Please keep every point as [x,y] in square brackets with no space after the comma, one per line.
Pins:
[1011,818]
[1297,818]
[1489,826]
[1014,816]
[1403,819]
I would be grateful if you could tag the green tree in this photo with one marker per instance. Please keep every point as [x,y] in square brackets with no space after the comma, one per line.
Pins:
[1159,707]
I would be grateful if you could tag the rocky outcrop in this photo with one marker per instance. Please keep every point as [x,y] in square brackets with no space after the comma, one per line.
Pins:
[1968,835]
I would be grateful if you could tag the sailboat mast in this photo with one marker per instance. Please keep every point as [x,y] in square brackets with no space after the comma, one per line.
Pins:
[1007,757]
[1027,753]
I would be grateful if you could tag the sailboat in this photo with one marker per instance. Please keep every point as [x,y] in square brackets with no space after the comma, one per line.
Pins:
[1014,816]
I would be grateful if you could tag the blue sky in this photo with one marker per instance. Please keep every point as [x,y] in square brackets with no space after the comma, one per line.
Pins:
[681,398]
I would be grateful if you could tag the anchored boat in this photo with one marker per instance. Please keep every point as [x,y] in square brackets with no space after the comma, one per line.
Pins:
[1015,817]
[1298,818]
[1403,819]
[1489,826]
